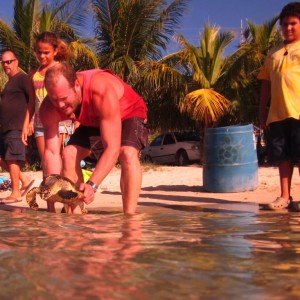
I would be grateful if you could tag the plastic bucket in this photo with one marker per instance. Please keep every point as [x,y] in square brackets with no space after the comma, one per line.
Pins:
[230,159]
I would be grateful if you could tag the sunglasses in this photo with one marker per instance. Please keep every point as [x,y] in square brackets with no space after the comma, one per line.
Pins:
[7,62]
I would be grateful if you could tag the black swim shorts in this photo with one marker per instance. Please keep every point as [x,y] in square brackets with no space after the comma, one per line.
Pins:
[284,141]
[134,133]
[11,146]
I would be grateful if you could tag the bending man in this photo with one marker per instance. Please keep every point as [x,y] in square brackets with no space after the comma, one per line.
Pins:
[112,125]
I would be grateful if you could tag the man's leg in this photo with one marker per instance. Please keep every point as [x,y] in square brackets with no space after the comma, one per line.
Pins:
[14,172]
[40,142]
[131,178]
[285,173]
[284,146]
[25,180]
[72,156]
[13,151]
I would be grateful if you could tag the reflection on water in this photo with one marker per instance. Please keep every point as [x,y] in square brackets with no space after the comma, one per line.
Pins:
[164,255]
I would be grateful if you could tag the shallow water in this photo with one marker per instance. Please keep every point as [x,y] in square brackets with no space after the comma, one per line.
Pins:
[171,254]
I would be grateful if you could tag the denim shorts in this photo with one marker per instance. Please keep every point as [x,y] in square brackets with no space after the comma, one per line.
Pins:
[39,131]
[284,141]
[134,133]
[11,146]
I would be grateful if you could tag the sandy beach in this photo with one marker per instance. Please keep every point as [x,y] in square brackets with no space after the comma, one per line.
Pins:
[171,187]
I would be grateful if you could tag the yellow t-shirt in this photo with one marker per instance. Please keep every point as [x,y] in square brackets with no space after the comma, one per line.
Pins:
[282,69]
[40,94]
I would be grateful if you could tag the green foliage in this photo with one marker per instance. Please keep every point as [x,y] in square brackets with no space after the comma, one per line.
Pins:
[245,87]
[3,78]
[31,17]
[128,32]
[199,72]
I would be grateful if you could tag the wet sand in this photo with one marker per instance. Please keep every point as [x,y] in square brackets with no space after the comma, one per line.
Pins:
[179,188]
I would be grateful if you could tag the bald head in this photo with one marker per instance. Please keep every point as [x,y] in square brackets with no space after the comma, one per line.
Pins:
[55,72]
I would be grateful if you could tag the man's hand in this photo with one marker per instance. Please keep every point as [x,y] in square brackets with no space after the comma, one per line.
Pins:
[30,129]
[24,136]
[88,193]
[27,131]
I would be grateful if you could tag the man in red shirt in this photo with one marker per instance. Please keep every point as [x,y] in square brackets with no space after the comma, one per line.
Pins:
[112,121]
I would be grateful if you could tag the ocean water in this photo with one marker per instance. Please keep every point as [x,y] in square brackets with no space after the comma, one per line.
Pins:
[177,253]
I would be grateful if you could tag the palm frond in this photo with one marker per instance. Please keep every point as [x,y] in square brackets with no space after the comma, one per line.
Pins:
[157,74]
[82,57]
[205,105]
[73,13]
[262,36]
[135,29]
[193,58]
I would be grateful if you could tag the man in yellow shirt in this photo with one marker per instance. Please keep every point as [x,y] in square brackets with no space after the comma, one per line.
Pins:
[280,77]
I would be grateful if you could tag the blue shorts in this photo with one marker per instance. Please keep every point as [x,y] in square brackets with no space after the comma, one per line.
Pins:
[134,133]
[66,129]
[284,141]
[11,146]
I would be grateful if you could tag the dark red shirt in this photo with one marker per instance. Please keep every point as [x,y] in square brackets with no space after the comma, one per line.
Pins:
[131,104]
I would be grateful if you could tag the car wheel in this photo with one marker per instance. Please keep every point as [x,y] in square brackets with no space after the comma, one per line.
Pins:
[147,159]
[182,158]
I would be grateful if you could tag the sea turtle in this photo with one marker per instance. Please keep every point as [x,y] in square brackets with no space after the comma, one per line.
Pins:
[56,188]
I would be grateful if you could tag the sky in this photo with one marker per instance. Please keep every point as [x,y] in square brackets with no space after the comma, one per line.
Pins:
[228,14]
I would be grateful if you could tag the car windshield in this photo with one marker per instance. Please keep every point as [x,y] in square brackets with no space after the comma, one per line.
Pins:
[187,136]
[157,141]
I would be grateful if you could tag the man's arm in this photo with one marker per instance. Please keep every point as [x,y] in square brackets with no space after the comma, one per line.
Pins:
[26,130]
[52,162]
[265,94]
[107,91]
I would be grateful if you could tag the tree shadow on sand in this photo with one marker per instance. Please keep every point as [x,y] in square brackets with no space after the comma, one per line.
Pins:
[174,188]
[186,202]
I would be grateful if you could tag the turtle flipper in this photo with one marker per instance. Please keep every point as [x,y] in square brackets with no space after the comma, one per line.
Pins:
[83,209]
[31,198]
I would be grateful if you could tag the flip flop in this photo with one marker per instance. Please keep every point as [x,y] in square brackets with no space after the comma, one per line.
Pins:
[10,199]
[25,189]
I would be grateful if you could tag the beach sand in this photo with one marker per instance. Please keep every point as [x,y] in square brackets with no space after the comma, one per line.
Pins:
[175,188]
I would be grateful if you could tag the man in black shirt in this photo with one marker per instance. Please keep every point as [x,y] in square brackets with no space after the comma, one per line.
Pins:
[13,106]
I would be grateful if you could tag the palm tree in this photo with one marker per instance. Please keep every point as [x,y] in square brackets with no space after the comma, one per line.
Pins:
[131,31]
[31,18]
[207,66]
[163,85]
[258,40]
[197,75]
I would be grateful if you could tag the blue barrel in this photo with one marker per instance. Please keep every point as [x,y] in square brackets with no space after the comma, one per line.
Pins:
[230,159]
